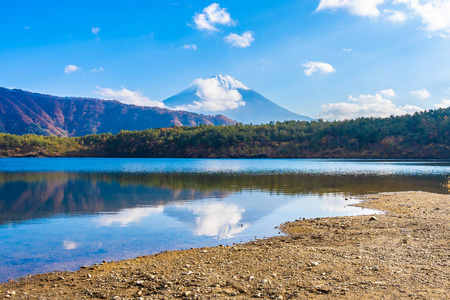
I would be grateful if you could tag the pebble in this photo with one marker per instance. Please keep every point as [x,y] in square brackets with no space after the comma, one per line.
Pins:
[373,218]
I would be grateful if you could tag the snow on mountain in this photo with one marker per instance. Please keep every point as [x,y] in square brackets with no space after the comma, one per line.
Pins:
[223,94]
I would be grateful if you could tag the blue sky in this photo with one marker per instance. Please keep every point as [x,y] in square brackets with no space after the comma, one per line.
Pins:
[322,58]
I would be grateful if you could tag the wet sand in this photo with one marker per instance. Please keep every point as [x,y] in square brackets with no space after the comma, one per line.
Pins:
[404,253]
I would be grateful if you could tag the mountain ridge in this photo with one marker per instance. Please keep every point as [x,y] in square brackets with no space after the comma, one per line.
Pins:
[23,112]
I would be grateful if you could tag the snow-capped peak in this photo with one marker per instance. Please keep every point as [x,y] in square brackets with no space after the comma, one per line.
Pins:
[229,83]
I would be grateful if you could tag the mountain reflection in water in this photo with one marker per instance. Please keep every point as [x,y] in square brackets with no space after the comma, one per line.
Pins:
[36,195]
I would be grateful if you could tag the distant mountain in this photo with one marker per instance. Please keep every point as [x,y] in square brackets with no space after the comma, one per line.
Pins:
[223,94]
[24,112]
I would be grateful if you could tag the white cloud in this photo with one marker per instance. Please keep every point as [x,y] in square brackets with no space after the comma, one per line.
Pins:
[213,97]
[95,70]
[365,8]
[69,245]
[347,49]
[316,66]
[435,14]
[395,16]
[71,68]
[95,30]
[421,94]
[128,97]
[444,103]
[387,93]
[190,47]
[242,41]
[127,216]
[365,106]
[213,15]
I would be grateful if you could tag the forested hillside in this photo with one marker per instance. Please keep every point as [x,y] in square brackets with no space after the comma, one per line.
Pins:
[422,135]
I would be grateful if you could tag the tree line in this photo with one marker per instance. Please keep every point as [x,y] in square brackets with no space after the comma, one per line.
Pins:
[421,135]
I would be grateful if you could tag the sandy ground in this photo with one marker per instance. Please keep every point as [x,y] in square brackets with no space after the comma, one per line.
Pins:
[404,253]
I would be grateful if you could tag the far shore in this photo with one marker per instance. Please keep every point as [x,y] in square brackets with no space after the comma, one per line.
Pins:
[403,253]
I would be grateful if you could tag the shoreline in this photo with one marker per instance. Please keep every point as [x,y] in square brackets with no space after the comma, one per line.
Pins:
[402,253]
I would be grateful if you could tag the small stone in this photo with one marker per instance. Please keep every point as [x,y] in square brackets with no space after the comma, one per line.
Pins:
[373,218]
[11,292]
[251,278]
[89,276]
[265,281]
[115,298]
[139,282]
[375,268]
[187,293]
[83,267]
[314,263]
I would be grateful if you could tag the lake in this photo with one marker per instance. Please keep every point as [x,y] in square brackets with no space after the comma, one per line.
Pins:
[61,213]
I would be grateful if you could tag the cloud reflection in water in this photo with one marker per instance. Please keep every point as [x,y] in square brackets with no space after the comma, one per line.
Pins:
[127,216]
[217,219]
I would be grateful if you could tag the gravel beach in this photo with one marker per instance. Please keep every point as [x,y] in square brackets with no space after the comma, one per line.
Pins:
[403,253]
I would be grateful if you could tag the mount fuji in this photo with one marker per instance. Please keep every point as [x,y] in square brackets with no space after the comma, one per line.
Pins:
[223,94]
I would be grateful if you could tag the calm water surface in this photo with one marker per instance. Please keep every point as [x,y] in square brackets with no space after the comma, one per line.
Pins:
[58,214]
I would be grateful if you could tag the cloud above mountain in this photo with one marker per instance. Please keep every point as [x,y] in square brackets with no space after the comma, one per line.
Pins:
[366,106]
[128,97]
[214,96]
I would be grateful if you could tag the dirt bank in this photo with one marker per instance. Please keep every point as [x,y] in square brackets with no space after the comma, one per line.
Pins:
[404,253]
